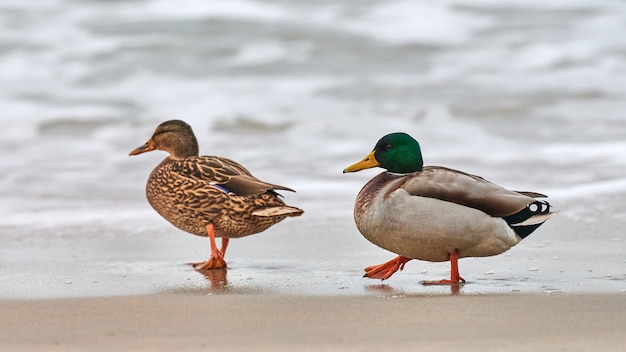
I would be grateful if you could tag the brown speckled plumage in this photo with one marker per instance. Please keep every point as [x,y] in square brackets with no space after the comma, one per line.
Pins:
[193,192]
[182,191]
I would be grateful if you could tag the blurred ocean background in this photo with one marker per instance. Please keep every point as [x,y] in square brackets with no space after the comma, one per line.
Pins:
[530,95]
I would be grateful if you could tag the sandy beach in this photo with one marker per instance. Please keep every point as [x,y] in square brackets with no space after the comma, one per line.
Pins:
[286,291]
[183,322]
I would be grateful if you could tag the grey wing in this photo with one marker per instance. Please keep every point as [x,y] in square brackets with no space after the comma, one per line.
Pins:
[468,190]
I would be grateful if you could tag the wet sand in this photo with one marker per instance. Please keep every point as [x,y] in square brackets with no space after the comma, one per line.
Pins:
[285,290]
[164,322]
[564,256]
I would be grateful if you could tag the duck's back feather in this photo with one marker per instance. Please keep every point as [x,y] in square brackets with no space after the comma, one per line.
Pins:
[465,189]
[224,172]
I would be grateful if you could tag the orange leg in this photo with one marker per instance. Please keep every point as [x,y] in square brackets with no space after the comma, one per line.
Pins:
[385,270]
[216,261]
[224,246]
[455,278]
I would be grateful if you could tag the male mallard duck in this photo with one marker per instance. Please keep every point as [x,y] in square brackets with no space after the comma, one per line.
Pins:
[208,195]
[437,214]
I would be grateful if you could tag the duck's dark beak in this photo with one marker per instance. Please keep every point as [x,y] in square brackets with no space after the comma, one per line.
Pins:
[368,162]
[149,146]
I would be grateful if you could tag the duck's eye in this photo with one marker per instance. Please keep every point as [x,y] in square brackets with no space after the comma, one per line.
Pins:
[388,146]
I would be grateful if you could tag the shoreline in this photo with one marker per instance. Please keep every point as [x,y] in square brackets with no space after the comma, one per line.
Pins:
[264,322]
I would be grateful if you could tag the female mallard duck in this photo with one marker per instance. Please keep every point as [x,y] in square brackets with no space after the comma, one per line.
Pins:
[437,214]
[208,195]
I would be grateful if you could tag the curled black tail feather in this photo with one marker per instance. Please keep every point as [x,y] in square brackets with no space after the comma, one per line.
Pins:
[538,207]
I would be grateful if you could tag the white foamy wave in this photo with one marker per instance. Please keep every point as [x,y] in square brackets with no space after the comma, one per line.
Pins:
[189,9]
[552,4]
[406,21]
[267,52]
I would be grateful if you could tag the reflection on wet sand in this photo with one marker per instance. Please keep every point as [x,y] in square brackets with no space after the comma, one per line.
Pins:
[216,277]
[389,291]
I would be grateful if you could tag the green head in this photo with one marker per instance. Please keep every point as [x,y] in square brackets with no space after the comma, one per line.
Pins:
[395,152]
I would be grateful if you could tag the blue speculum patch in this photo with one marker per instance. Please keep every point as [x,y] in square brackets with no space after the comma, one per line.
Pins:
[221,188]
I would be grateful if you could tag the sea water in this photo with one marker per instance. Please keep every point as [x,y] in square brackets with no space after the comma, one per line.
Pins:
[530,95]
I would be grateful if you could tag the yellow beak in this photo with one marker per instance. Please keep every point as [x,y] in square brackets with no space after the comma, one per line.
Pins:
[368,162]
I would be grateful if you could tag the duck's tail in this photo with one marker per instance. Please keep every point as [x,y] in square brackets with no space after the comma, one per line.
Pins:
[530,218]
[278,211]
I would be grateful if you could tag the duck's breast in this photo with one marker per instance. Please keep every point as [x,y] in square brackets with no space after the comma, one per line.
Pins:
[185,202]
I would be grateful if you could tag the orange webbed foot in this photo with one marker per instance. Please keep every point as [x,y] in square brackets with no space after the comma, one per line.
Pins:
[216,261]
[386,270]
